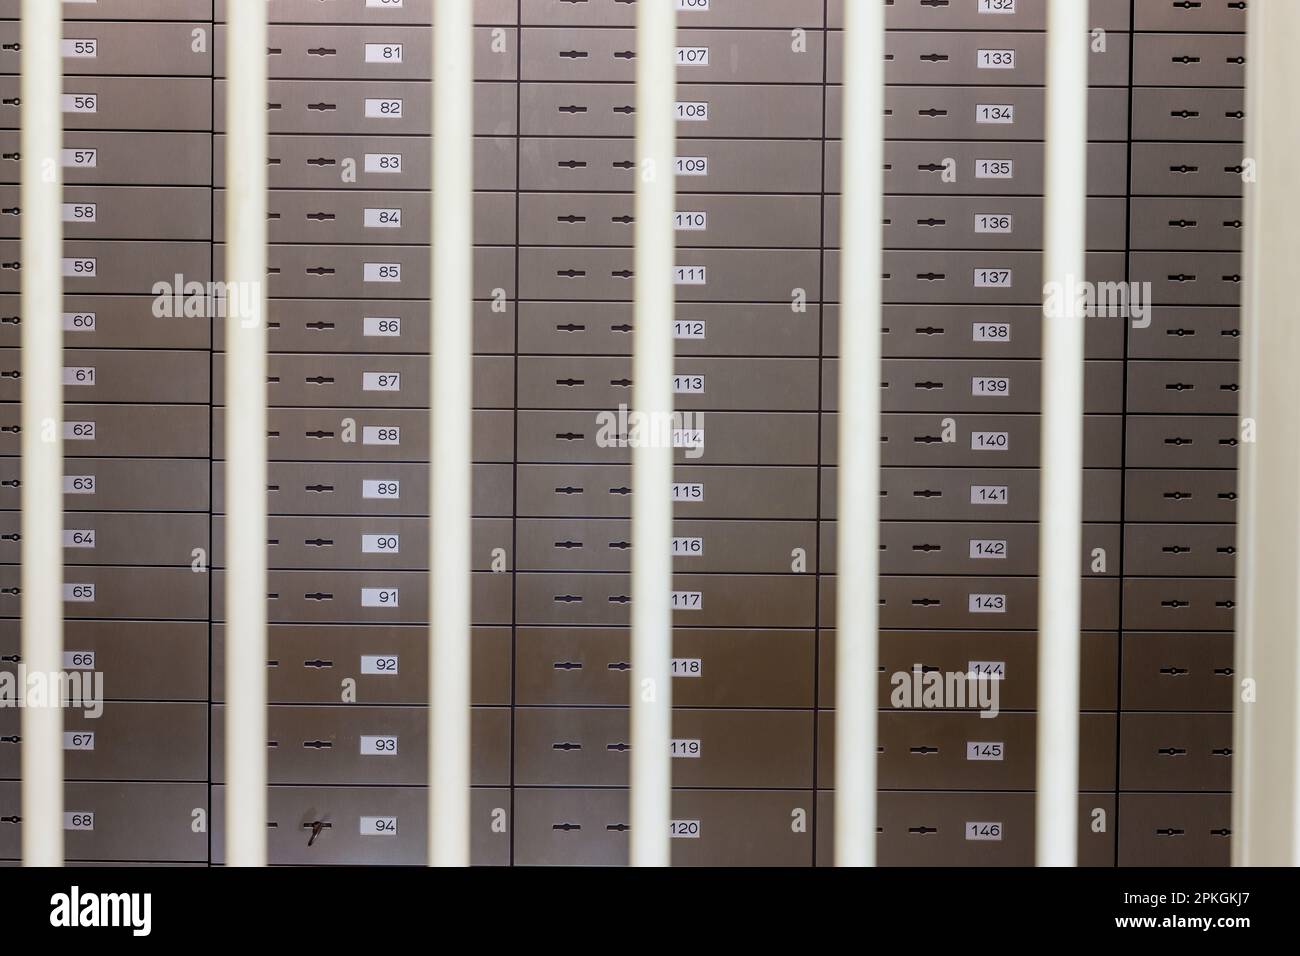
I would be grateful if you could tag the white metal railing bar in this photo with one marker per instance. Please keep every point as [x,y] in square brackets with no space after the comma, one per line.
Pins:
[450,453]
[42,424]
[1266,699]
[652,457]
[1060,529]
[245,435]
[857,590]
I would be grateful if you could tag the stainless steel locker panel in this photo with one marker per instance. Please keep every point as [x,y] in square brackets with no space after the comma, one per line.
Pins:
[375,325]
[117,484]
[1189,114]
[557,827]
[918,828]
[605,219]
[995,276]
[974,602]
[1202,332]
[370,107]
[1178,604]
[729,438]
[967,385]
[984,58]
[580,109]
[951,222]
[124,212]
[928,750]
[120,592]
[135,268]
[140,660]
[746,275]
[1194,550]
[131,740]
[965,222]
[705,384]
[379,381]
[975,168]
[1190,278]
[1182,441]
[119,822]
[373,826]
[980,113]
[397,272]
[769,749]
[316,434]
[982,331]
[710,491]
[699,600]
[605,544]
[782,14]
[120,48]
[926,547]
[1175,829]
[1180,495]
[1194,224]
[1187,169]
[339,543]
[122,159]
[122,431]
[341,488]
[365,597]
[1191,752]
[308,663]
[730,56]
[1205,15]
[373,217]
[1011,654]
[1182,59]
[111,321]
[926,15]
[369,52]
[369,162]
[983,440]
[723,667]
[122,103]
[1179,672]
[323,745]
[702,328]
[117,538]
[1198,388]
[413,12]
[703,165]
[123,10]
[119,376]
[974,494]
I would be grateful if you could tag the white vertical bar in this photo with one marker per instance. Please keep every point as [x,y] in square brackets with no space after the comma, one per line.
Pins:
[857,590]
[452,257]
[245,434]
[1061,475]
[652,459]
[1266,760]
[42,424]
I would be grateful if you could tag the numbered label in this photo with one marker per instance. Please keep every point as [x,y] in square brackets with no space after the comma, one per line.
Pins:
[79,660]
[382,219]
[997,114]
[79,593]
[80,268]
[80,211]
[382,272]
[381,488]
[379,597]
[692,56]
[996,59]
[383,108]
[383,162]
[378,327]
[990,387]
[78,740]
[78,820]
[80,49]
[690,275]
[685,747]
[373,745]
[687,667]
[80,103]
[693,112]
[80,158]
[79,375]
[687,600]
[988,548]
[990,670]
[688,329]
[984,831]
[384,53]
[987,603]
[992,278]
[996,6]
[381,544]
[994,223]
[994,169]
[988,494]
[78,484]
[379,826]
[688,491]
[684,829]
[991,332]
[688,384]
[381,435]
[989,441]
[79,539]
[78,431]
[385,665]
[691,221]
[984,750]
[381,381]
[688,547]
[692,165]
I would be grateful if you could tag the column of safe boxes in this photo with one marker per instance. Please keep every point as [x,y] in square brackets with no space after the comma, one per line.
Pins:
[758,173]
